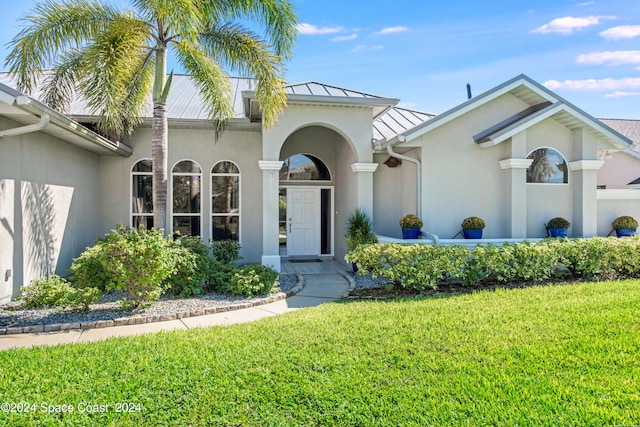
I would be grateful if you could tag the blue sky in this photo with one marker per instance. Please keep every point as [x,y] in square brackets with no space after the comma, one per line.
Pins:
[425,52]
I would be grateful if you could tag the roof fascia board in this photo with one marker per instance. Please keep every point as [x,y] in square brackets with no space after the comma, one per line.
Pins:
[619,140]
[347,101]
[478,101]
[522,124]
[32,106]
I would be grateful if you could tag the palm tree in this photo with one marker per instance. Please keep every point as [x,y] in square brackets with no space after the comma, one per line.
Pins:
[117,58]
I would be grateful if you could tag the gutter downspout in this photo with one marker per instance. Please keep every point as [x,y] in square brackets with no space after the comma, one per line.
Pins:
[44,120]
[402,138]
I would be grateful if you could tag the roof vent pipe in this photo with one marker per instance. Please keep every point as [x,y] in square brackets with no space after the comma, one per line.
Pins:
[416,162]
[44,120]
[468,91]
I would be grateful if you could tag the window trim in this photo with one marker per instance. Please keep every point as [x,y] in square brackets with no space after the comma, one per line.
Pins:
[170,194]
[550,183]
[213,214]
[131,175]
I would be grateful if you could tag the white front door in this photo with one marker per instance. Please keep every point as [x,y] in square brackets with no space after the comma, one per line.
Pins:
[303,221]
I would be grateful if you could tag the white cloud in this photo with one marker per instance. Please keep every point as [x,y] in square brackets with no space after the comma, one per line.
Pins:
[366,48]
[620,94]
[619,57]
[311,29]
[345,38]
[391,30]
[594,84]
[568,24]
[621,32]
[586,3]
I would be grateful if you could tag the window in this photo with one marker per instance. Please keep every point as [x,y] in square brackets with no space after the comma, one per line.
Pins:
[225,201]
[548,167]
[187,188]
[304,167]
[142,194]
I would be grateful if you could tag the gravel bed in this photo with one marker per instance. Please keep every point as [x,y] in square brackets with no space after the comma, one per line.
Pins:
[366,281]
[108,308]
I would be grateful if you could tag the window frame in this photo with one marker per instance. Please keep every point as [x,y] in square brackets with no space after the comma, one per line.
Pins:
[307,181]
[564,159]
[170,189]
[215,214]
[132,174]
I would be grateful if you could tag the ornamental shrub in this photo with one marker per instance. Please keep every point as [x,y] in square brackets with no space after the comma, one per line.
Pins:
[558,222]
[252,280]
[55,291]
[194,266]
[139,261]
[473,223]
[88,271]
[225,251]
[624,222]
[411,221]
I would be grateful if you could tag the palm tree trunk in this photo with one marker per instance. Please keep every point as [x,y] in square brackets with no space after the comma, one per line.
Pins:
[160,141]
[159,154]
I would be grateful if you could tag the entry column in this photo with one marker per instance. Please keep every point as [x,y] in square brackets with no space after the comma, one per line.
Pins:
[364,180]
[270,211]
[516,196]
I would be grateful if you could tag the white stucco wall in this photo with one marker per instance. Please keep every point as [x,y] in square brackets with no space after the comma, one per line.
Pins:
[49,207]
[241,147]
[619,170]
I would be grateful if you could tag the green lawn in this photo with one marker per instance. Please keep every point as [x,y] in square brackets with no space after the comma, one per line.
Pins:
[556,355]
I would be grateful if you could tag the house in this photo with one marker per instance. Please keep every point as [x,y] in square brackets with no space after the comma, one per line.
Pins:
[516,155]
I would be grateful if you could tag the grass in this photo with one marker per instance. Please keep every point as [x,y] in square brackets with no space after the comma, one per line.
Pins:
[552,355]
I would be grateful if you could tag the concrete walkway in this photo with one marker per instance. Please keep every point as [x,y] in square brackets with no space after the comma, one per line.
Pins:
[324,286]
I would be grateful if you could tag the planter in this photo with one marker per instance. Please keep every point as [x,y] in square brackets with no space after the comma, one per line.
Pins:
[355,267]
[472,234]
[557,232]
[625,232]
[410,233]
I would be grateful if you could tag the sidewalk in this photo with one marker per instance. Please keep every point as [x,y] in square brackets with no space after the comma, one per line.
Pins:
[318,289]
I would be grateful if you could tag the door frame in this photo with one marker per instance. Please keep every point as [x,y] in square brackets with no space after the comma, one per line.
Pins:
[331,215]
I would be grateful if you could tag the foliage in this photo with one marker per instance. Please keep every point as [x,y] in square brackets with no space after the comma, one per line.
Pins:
[139,261]
[193,267]
[55,291]
[226,251]
[252,280]
[411,221]
[220,276]
[558,222]
[473,223]
[625,221]
[88,270]
[561,355]
[359,230]
[422,266]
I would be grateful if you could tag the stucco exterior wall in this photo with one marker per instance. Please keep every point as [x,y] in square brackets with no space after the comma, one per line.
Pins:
[241,147]
[394,193]
[49,207]
[615,203]
[619,170]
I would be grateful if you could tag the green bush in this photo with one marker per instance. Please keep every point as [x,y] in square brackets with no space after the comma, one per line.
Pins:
[226,251]
[139,261]
[252,280]
[220,276]
[473,223]
[422,266]
[624,221]
[55,291]
[411,221]
[88,270]
[193,267]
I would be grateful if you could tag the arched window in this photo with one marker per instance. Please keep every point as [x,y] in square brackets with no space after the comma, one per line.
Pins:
[304,167]
[186,200]
[548,167]
[225,201]
[142,194]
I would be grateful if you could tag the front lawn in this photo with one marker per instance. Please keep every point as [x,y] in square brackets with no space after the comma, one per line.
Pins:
[548,355]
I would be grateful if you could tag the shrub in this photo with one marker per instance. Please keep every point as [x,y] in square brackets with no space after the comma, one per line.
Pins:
[624,222]
[411,221]
[359,230]
[139,261]
[558,222]
[55,291]
[88,271]
[225,251]
[473,223]
[193,267]
[252,280]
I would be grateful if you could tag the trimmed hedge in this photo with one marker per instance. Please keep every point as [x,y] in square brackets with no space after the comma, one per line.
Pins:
[425,266]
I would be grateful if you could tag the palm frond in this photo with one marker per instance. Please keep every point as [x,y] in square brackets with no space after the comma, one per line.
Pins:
[53,27]
[181,18]
[211,79]
[58,88]
[245,52]
[278,16]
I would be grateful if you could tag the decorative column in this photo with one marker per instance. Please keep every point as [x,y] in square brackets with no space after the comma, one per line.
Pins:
[270,212]
[516,196]
[364,185]
[585,196]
